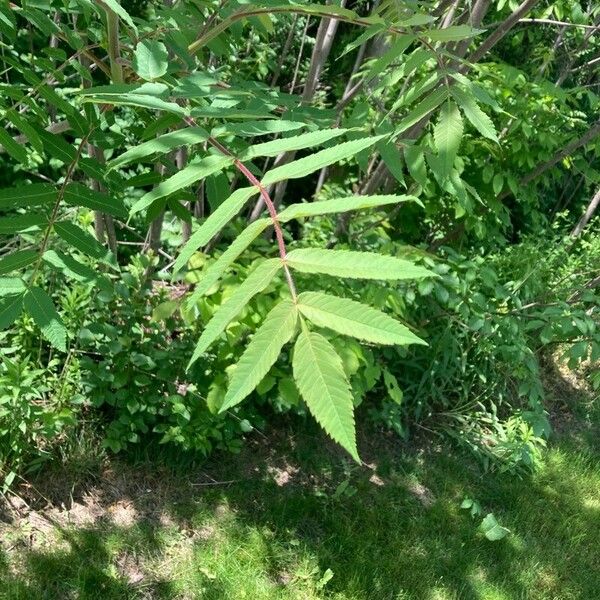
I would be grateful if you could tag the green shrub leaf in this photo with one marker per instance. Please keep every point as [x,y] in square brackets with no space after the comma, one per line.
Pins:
[10,309]
[150,59]
[41,309]
[323,385]
[354,319]
[256,282]
[352,264]
[215,222]
[262,352]
[17,260]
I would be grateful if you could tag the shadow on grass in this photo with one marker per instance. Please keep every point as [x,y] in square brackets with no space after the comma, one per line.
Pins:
[292,518]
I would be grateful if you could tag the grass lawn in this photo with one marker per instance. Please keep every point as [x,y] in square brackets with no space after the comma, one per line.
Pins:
[274,523]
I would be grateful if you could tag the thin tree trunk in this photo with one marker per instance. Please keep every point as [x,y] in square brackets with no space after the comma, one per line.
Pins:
[284,52]
[587,215]
[321,50]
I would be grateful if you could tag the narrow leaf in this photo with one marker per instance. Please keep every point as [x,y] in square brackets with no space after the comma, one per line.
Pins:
[252,128]
[476,116]
[33,194]
[447,135]
[161,145]
[116,7]
[256,282]
[184,178]
[340,205]
[17,260]
[41,308]
[352,264]
[217,269]
[74,269]
[10,309]
[289,144]
[262,352]
[422,109]
[21,222]
[77,194]
[453,33]
[10,286]
[13,148]
[83,241]
[323,385]
[314,162]
[215,222]
[354,319]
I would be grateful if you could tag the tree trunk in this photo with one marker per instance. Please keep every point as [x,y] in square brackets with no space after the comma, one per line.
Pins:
[587,215]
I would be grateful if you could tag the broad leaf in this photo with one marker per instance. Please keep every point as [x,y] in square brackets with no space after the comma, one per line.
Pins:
[150,59]
[354,319]
[352,264]
[261,353]
[323,385]
[447,135]
[41,309]
[226,259]
[256,282]
[415,163]
[215,222]
[182,179]
[314,162]
[340,205]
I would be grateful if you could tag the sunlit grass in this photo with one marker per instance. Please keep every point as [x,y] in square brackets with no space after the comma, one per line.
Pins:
[396,532]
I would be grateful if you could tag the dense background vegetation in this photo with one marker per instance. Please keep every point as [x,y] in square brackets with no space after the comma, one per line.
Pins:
[468,132]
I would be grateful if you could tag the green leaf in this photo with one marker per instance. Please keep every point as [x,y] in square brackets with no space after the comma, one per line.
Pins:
[320,377]
[32,194]
[161,145]
[21,222]
[252,128]
[340,205]
[10,309]
[256,282]
[77,194]
[289,144]
[261,353]
[415,163]
[454,33]
[13,148]
[17,260]
[447,135]
[74,269]
[84,242]
[10,286]
[492,530]
[354,319]
[181,179]
[116,7]
[215,222]
[428,104]
[474,114]
[314,162]
[150,59]
[133,99]
[41,308]
[352,264]
[238,245]
[26,129]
